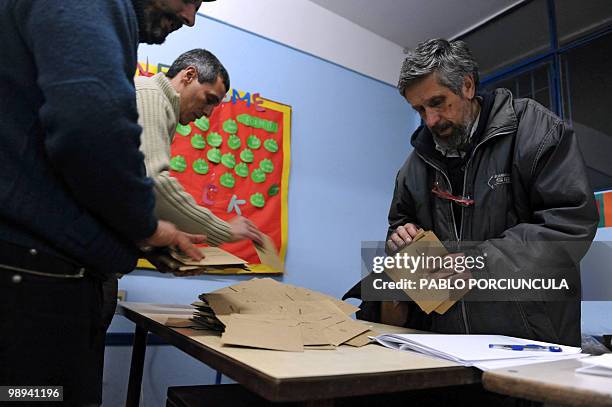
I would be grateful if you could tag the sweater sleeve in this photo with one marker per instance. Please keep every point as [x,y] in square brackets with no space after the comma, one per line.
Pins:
[173,203]
[85,52]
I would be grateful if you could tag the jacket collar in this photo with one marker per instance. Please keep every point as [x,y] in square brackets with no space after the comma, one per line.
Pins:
[497,115]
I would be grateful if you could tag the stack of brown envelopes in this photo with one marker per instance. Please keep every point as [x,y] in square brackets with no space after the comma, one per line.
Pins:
[266,314]
[215,261]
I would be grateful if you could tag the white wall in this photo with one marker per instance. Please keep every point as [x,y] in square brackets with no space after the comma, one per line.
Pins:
[313,29]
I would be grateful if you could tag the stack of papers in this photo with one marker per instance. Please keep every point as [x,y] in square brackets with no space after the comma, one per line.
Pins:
[597,365]
[215,261]
[474,350]
[266,314]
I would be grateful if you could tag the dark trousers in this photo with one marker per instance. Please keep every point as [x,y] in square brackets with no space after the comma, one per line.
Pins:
[52,332]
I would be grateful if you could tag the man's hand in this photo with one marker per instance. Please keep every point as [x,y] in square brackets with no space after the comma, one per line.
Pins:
[402,236]
[167,234]
[242,228]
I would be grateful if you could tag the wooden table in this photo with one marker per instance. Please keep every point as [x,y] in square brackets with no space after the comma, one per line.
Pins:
[311,375]
[551,382]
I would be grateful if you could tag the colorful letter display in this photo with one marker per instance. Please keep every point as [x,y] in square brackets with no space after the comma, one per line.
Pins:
[237,163]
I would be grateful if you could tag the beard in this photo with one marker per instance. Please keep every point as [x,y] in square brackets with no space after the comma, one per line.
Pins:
[157,25]
[459,136]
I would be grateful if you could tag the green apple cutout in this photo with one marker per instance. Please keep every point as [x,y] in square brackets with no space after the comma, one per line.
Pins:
[247,156]
[183,130]
[178,163]
[214,155]
[234,142]
[274,189]
[271,145]
[258,176]
[266,166]
[228,160]
[269,126]
[258,200]
[198,142]
[230,126]
[202,123]
[200,166]
[214,139]
[242,118]
[242,170]
[253,142]
[227,180]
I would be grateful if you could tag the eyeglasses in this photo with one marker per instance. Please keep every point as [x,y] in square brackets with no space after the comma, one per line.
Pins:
[459,200]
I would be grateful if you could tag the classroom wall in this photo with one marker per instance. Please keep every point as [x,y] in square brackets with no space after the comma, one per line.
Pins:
[350,135]
[326,34]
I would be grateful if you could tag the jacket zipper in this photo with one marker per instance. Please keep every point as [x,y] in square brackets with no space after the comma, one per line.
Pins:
[459,235]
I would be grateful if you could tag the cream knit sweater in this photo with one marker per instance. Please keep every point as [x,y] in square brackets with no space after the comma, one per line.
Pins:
[158,111]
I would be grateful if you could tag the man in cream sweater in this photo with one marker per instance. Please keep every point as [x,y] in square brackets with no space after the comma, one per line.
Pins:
[193,86]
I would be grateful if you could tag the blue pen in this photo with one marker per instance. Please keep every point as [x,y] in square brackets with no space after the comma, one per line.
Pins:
[526,347]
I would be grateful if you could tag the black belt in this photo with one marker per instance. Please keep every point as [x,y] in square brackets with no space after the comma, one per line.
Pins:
[32,261]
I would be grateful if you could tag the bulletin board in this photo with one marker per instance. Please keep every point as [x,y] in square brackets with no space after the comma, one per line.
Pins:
[237,163]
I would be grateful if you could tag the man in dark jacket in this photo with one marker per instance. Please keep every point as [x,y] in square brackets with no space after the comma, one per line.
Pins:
[506,174]
[75,204]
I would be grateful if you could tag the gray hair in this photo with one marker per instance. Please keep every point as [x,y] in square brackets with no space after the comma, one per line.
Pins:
[208,67]
[451,60]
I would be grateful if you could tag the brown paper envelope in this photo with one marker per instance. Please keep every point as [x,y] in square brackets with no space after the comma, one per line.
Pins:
[313,334]
[268,289]
[304,294]
[251,332]
[180,323]
[361,339]
[426,244]
[268,254]
[445,306]
[344,331]
[319,347]
[213,256]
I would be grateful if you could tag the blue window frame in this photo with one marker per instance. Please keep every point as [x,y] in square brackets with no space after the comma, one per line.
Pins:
[562,72]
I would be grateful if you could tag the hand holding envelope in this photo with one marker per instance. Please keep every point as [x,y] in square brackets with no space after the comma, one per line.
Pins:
[425,244]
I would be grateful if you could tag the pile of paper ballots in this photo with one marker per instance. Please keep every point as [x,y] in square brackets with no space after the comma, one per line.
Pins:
[474,350]
[215,260]
[263,313]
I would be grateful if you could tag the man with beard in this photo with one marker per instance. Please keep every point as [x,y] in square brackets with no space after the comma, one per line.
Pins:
[75,204]
[504,173]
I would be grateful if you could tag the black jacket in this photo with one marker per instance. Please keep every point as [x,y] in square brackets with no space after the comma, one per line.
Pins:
[530,190]
[72,181]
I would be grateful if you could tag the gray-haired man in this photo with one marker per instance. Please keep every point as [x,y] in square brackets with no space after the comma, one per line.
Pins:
[193,86]
[502,172]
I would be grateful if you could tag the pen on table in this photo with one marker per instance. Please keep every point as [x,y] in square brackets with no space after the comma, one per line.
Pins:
[526,347]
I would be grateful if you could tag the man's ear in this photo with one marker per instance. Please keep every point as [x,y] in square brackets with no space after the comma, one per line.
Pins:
[469,87]
[189,75]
